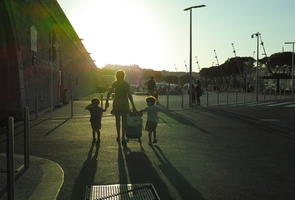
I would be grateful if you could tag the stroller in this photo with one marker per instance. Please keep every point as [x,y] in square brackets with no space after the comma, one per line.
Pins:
[134,126]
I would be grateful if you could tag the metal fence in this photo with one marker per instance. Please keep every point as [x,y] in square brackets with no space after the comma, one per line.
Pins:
[74,108]
[212,98]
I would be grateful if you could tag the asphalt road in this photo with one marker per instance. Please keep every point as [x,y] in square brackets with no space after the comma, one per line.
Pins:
[201,154]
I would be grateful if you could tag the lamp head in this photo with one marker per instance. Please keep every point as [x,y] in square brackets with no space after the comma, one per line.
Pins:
[199,6]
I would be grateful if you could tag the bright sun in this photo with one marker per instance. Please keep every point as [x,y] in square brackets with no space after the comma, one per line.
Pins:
[122,32]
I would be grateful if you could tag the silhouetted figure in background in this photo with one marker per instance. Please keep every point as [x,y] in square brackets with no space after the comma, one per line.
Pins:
[198,91]
[193,93]
[152,88]
[151,85]
[95,117]
[120,103]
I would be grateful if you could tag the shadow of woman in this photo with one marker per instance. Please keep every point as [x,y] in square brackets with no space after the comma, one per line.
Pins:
[87,173]
[121,166]
[141,170]
[183,187]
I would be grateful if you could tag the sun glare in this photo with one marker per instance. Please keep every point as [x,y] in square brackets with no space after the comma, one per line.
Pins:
[123,32]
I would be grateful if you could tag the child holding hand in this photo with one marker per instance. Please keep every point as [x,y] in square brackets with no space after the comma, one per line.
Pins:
[95,117]
[152,118]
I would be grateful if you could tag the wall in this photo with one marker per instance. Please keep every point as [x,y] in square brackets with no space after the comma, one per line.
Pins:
[45,52]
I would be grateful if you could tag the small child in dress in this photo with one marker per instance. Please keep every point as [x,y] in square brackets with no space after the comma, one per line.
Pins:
[95,117]
[152,118]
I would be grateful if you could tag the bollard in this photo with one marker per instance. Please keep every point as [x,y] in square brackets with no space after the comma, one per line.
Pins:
[182,106]
[167,101]
[207,94]
[218,98]
[36,107]
[26,137]
[236,97]
[101,100]
[10,159]
[72,104]
[264,98]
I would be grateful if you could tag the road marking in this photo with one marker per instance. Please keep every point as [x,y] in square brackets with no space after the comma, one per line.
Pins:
[262,104]
[243,104]
[290,106]
[279,104]
[269,120]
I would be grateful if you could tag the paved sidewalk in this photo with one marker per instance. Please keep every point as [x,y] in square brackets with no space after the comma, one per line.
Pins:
[200,154]
[42,180]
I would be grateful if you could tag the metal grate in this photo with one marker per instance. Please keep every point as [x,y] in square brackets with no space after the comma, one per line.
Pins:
[122,192]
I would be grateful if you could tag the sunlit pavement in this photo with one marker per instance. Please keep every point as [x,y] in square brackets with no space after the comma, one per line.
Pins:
[199,155]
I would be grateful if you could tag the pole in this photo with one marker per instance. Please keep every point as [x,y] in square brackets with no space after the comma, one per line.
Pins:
[190,63]
[207,98]
[101,100]
[293,71]
[36,107]
[27,137]
[218,97]
[257,35]
[72,106]
[182,106]
[10,159]
[190,59]
[51,91]
[167,106]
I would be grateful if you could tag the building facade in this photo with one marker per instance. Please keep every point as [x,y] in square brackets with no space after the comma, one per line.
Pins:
[42,58]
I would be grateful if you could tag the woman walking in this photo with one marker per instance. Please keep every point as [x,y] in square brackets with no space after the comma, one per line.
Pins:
[120,104]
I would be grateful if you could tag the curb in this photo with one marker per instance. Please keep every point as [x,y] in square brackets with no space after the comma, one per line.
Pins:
[43,180]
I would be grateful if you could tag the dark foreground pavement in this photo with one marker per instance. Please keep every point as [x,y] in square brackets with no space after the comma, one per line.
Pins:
[200,154]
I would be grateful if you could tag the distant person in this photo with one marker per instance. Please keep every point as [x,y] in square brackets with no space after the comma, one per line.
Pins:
[95,117]
[193,93]
[198,91]
[152,118]
[151,84]
[120,103]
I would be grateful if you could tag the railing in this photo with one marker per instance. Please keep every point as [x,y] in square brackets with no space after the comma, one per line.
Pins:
[213,98]
[71,109]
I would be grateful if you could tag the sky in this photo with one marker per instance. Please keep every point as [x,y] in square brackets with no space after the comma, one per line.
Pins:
[155,33]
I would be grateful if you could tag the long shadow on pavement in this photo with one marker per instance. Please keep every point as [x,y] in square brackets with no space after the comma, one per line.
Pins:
[183,120]
[56,127]
[87,173]
[183,187]
[141,170]
[122,168]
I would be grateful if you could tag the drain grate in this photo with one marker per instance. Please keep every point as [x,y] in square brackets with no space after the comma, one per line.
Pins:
[122,192]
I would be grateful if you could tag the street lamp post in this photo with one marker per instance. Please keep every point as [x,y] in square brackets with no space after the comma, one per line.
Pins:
[257,62]
[190,57]
[292,75]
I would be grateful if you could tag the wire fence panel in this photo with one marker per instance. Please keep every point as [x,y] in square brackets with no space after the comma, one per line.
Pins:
[212,98]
